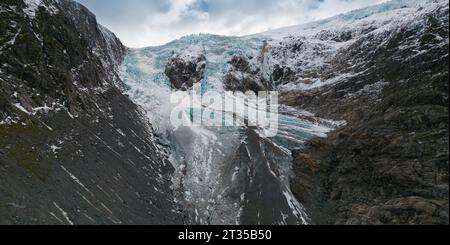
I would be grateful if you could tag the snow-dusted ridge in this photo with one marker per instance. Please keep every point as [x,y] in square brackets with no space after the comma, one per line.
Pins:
[323,40]
[356,20]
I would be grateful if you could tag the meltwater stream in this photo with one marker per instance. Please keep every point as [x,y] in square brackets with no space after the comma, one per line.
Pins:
[224,175]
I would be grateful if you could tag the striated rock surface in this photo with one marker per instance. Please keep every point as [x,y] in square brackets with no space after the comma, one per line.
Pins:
[73,148]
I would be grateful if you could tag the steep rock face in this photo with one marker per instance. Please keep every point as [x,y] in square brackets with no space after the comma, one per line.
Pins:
[246,74]
[73,148]
[389,164]
[256,170]
[187,68]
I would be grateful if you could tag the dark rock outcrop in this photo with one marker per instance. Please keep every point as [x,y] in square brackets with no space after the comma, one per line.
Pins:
[243,77]
[248,73]
[184,72]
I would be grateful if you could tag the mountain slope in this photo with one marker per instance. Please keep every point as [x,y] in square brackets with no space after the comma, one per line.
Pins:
[73,148]
[389,82]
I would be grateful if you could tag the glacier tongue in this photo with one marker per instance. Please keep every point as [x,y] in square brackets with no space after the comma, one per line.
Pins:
[226,175]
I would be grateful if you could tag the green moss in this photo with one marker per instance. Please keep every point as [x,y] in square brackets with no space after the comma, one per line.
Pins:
[26,145]
[435,28]
[427,38]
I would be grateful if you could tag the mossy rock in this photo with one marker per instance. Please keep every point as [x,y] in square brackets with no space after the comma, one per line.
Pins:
[3,102]
[26,144]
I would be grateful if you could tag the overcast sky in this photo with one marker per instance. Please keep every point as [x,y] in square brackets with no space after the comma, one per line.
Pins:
[141,23]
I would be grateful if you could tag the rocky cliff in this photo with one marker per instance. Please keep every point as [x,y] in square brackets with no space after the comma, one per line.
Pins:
[389,164]
[73,148]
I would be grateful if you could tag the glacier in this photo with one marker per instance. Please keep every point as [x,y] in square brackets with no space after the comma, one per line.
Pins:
[206,181]
[237,175]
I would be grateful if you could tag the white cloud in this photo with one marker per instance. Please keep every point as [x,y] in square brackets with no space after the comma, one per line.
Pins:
[140,23]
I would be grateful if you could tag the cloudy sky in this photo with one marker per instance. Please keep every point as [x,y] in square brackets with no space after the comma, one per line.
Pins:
[141,23]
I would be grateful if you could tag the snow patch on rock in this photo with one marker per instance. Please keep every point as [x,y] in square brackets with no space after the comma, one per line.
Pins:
[32,7]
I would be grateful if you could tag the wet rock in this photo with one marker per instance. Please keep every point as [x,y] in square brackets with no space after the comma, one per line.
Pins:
[282,75]
[245,76]
[184,72]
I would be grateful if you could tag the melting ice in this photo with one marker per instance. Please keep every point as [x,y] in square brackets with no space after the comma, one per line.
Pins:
[224,175]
